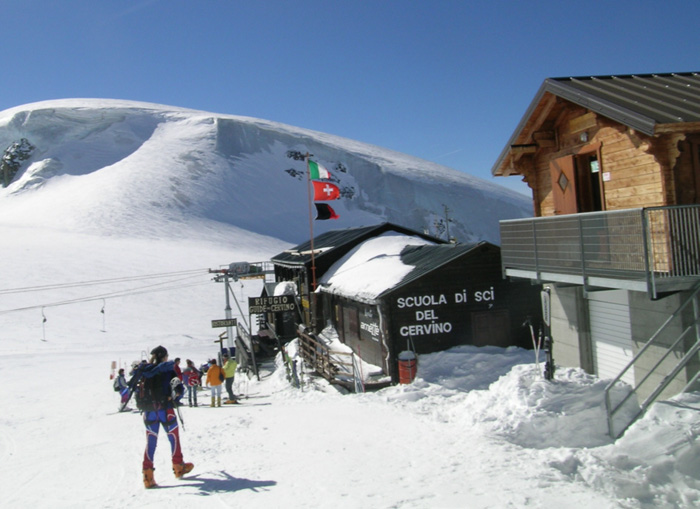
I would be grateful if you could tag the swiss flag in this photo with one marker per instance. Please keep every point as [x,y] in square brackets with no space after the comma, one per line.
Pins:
[325,191]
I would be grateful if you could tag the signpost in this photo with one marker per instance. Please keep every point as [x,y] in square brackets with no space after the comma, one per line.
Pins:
[226,322]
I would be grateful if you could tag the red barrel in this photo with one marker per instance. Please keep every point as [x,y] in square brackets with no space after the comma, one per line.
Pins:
[408,367]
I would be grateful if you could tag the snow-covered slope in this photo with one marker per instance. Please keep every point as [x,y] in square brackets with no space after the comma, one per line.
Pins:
[116,165]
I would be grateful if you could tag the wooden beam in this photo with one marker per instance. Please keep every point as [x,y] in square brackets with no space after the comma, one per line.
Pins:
[523,149]
[582,123]
[517,151]
[681,127]
[544,138]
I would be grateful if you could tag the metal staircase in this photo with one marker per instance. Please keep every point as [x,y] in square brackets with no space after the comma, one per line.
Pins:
[679,352]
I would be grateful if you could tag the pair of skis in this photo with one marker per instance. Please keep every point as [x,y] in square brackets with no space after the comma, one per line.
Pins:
[537,345]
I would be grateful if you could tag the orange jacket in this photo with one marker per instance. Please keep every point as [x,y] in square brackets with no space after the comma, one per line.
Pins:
[213,375]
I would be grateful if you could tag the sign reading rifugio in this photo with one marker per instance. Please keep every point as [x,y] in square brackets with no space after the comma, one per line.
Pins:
[260,305]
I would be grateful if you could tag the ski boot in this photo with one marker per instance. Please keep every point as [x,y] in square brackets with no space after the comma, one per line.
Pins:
[148,480]
[218,402]
[213,401]
[182,469]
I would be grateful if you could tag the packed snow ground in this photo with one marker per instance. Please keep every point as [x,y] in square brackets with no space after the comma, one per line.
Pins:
[479,427]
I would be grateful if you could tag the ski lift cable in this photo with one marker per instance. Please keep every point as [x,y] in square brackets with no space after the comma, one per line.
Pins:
[125,279]
[127,292]
[100,297]
[124,293]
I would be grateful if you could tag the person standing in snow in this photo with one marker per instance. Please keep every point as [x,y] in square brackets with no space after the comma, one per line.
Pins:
[178,371]
[162,391]
[122,387]
[215,377]
[229,368]
[191,377]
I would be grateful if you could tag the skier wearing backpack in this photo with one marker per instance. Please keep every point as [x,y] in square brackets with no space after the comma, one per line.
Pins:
[157,398]
[122,388]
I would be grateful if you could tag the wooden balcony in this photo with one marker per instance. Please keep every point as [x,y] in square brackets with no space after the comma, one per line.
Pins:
[655,250]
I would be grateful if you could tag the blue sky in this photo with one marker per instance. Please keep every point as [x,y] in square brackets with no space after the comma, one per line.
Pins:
[444,80]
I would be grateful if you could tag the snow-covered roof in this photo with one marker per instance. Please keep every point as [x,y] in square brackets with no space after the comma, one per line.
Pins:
[381,264]
[332,242]
[371,267]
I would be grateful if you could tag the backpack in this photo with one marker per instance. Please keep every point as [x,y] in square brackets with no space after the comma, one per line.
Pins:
[116,385]
[142,395]
[193,378]
[150,393]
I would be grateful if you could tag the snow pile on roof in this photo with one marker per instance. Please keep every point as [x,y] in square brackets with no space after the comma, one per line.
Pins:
[285,288]
[371,267]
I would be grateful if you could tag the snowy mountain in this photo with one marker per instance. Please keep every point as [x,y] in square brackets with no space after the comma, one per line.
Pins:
[116,165]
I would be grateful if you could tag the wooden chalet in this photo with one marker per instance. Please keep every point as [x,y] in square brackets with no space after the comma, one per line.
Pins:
[613,163]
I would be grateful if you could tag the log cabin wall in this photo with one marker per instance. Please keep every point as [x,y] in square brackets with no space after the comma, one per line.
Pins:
[637,170]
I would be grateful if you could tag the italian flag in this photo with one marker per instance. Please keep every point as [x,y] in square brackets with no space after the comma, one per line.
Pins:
[317,171]
[325,191]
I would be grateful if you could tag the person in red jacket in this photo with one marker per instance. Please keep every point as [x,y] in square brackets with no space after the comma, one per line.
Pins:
[215,377]
[191,378]
[178,371]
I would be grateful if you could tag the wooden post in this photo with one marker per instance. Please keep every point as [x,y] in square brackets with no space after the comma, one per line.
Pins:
[312,296]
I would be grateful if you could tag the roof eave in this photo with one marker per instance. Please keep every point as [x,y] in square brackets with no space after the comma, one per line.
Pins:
[605,108]
[497,169]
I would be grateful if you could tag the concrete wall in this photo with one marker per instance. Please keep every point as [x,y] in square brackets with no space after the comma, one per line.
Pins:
[572,340]
[646,317]
[570,329]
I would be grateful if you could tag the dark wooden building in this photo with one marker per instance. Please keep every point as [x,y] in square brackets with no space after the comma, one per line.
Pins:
[447,295]
[297,265]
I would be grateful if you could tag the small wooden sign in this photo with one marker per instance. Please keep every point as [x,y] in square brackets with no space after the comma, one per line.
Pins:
[226,322]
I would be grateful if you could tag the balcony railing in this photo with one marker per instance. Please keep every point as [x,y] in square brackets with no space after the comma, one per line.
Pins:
[655,249]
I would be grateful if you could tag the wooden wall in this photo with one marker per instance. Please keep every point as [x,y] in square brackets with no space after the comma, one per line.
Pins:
[639,168]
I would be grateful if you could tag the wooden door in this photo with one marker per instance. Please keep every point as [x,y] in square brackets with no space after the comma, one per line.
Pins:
[491,328]
[563,173]
[351,327]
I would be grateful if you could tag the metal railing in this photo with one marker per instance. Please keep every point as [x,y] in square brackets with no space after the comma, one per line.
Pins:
[334,366]
[660,370]
[658,248]
[673,240]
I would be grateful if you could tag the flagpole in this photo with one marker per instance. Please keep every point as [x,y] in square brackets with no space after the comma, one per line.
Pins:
[312,297]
